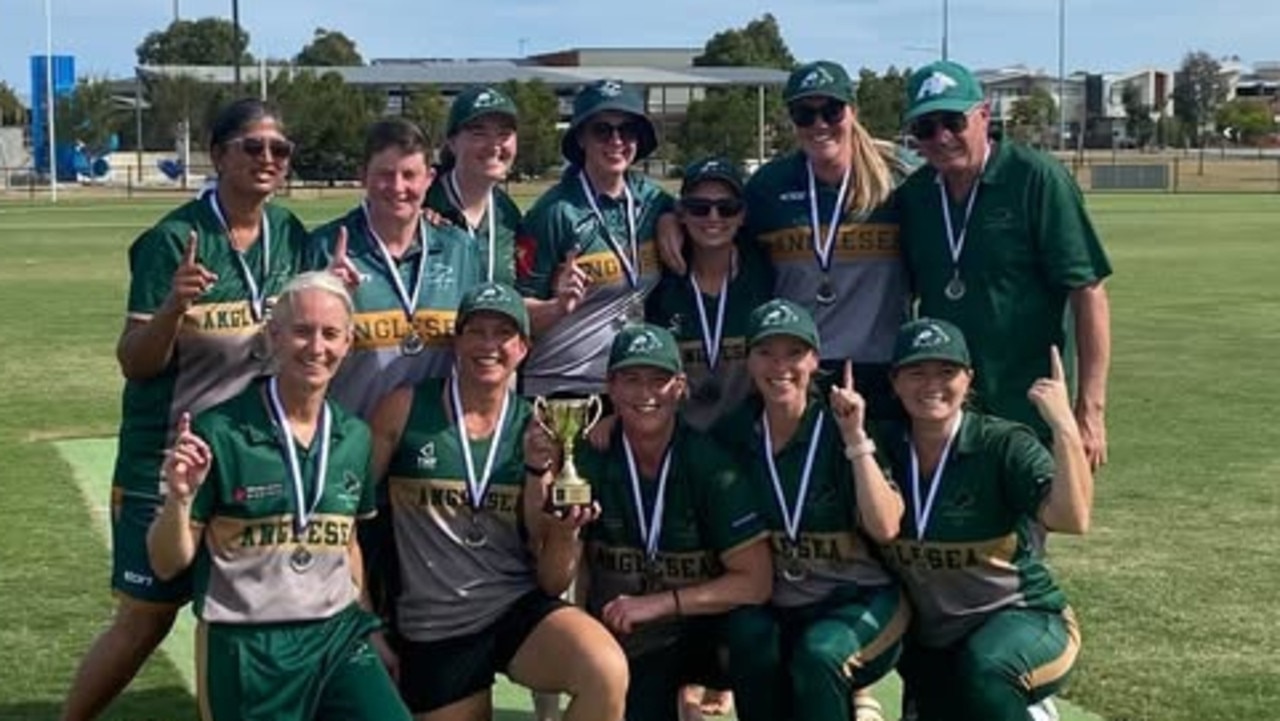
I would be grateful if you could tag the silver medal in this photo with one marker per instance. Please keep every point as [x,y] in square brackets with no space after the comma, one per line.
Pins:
[301,560]
[792,568]
[826,291]
[652,581]
[475,537]
[412,344]
[955,288]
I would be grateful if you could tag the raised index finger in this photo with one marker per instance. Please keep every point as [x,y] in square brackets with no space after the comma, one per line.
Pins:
[1055,364]
[340,248]
[848,375]
[189,252]
[184,424]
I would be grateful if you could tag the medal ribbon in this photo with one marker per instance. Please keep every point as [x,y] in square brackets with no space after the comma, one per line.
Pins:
[257,293]
[711,335]
[651,527]
[287,445]
[956,243]
[791,518]
[923,511]
[823,247]
[630,262]
[455,197]
[477,488]
[407,297]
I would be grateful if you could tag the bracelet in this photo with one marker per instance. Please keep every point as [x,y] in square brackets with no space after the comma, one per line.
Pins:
[865,448]
[536,471]
[675,594]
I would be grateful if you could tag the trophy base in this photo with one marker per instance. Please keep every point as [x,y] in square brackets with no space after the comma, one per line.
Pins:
[568,495]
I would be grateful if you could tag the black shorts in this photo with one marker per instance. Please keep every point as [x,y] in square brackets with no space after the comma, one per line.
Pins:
[434,674]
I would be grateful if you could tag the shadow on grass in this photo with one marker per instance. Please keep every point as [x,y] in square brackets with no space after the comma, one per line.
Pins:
[170,703]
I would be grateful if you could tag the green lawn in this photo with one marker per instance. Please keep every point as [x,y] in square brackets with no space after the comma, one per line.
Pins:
[1176,587]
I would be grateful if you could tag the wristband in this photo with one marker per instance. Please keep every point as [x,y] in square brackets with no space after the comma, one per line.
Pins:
[536,471]
[865,448]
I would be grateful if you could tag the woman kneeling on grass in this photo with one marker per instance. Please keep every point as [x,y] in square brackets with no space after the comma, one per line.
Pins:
[993,636]
[263,495]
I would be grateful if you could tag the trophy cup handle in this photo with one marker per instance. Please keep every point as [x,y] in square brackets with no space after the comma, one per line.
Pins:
[540,413]
[595,410]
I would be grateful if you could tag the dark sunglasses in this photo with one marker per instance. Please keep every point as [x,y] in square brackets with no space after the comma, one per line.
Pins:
[702,207]
[628,132]
[832,112]
[257,147]
[927,126]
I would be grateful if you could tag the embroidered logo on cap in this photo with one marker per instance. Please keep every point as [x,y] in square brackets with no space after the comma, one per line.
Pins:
[644,342]
[935,84]
[816,78]
[930,336]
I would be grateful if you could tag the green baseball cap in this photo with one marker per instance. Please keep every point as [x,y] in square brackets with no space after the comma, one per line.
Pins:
[477,101]
[494,298]
[929,339]
[822,79]
[706,169]
[643,344]
[782,317]
[943,86]
[605,95]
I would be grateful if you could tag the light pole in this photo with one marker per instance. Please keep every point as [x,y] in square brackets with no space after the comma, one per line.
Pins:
[1062,74]
[235,21]
[946,26]
[49,101]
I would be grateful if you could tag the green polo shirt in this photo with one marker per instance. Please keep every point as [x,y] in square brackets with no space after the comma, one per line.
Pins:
[867,274]
[672,305]
[710,513]
[213,356]
[830,548]
[980,552]
[244,571]
[506,227]
[571,356]
[1027,246]
[376,366]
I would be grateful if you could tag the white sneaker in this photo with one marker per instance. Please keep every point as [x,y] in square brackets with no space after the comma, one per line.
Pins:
[1046,710]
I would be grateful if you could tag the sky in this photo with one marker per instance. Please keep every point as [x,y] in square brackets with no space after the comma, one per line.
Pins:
[1102,35]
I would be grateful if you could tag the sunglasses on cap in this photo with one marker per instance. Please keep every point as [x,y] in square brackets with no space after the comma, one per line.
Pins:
[927,126]
[603,132]
[702,207]
[257,147]
[831,112]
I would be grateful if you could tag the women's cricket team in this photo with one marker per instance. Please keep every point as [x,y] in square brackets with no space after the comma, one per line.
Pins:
[331,447]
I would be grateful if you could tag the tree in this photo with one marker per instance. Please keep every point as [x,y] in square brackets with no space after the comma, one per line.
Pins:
[178,101]
[882,101]
[1246,120]
[1138,124]
[724,121]
[539,140]
[329,48]
[12,111]
[207,41]
[1198,91]
[426,107]
[89,115]
[1032,116]
[327,119]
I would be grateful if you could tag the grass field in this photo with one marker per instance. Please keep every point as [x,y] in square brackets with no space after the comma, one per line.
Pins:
[1176,587]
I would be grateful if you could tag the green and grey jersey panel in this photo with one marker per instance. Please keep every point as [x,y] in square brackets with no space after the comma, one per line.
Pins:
[253,566]
[214,356]
[672,305]
[572,355]
[829,551]
[709,513]
[867,277]
[453,586]
[506,227]
[980,550]
[377,364]
[1028,244]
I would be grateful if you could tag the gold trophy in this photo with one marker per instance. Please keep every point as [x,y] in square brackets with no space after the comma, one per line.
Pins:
[566,419]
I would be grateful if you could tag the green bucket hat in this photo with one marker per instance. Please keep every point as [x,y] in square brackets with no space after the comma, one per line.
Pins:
[476,101]
[821,79]
[943,86]
[494,298]
[930,339]
[643,344]
[605,95]
[782,317]
[706,169]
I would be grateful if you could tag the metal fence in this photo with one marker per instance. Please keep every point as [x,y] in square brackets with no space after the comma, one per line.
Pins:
[1209,171]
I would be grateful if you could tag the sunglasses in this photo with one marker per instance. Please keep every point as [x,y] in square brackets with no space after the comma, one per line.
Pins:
[927,126]
[257,147]
[602,132]
[702,207]
[831,112]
